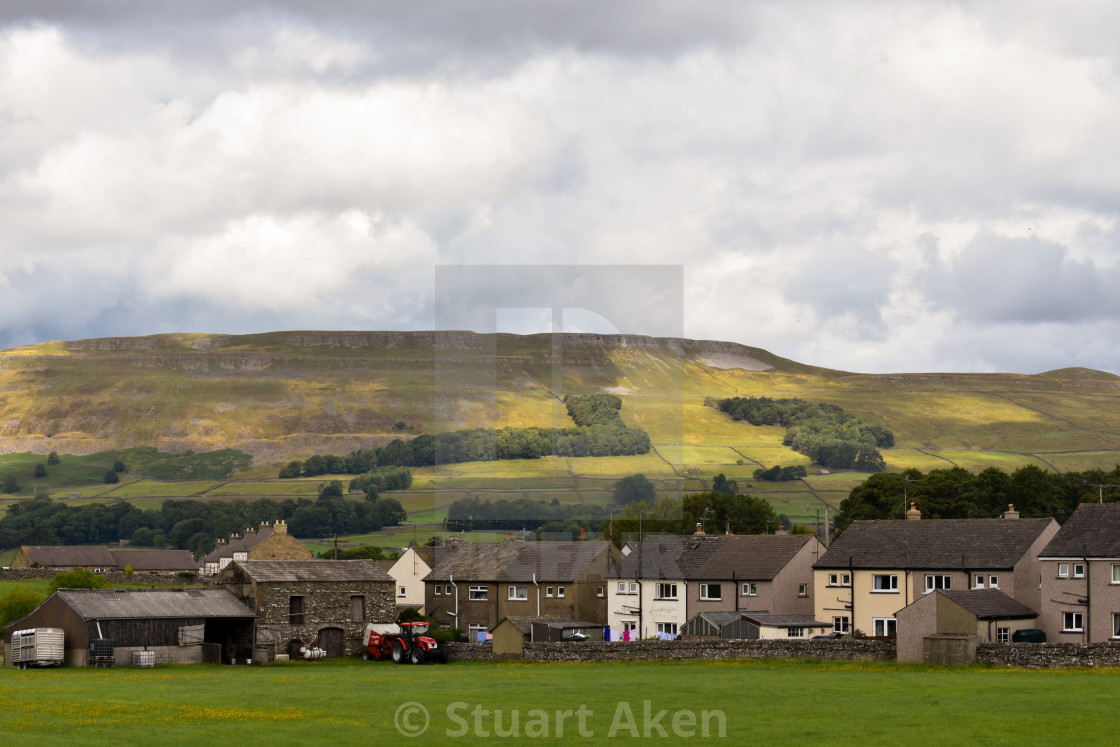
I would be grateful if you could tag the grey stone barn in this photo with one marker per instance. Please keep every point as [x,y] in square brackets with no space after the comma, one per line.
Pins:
[181,626]
[321,602]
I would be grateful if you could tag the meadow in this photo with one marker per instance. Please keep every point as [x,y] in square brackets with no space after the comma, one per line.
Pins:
[348,701]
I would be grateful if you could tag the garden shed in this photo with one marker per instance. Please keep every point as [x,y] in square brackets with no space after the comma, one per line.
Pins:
[181,626]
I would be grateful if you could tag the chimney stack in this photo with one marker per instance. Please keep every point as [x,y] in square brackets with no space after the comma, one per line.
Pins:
[1011,513]
[781,530]
[281,527]
[913,514]
[699,528]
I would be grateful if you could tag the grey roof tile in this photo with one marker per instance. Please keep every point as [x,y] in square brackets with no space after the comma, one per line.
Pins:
[312,570]
[1092,531]
[516,561]
[119,604]
[757,557]
[990,604]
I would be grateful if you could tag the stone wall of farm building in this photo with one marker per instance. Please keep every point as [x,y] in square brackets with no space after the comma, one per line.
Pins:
[591,651]
[117,577]
[326,605]
[1049,655]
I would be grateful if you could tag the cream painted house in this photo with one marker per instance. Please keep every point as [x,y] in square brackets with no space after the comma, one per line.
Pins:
[408,577]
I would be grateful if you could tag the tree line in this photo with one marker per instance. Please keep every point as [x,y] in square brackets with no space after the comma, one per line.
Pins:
[956,493]
[823,432]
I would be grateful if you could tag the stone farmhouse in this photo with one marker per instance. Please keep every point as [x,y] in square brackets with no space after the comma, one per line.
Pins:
[265,543]
[326,603]
[102,559]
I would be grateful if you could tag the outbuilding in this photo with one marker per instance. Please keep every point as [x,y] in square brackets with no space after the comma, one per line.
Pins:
[945,626]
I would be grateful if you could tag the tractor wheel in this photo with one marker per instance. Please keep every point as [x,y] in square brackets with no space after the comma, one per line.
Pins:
[416,656]
[367,655]
[400,656]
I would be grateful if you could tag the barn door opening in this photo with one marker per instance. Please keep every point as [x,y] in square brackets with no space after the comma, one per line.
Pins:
[330,640]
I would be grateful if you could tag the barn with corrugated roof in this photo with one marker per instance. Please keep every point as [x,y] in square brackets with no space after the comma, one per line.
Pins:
[181,626]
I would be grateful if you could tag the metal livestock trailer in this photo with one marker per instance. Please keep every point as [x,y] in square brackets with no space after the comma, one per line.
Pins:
[38,647]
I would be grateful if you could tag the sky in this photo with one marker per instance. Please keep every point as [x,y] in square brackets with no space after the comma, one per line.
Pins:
[867,186]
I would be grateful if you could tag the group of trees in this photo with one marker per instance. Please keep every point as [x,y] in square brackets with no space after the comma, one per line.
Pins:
[780,474]
[381,479]
[823,432]
[589,410]
[190,524]
[471,513]
[715,512]
[959,494]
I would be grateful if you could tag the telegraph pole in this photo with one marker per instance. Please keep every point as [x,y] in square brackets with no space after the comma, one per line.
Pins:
[1100,488]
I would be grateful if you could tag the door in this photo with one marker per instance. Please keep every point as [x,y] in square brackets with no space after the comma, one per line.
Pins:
[330,640]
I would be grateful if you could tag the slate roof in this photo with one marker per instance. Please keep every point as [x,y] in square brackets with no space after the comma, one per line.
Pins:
[122,604]
[751,557]
[785,620]
[1092,531]
[245,544]
[106,557]
[990,604]
[933,544]
[311,570]
[517,561]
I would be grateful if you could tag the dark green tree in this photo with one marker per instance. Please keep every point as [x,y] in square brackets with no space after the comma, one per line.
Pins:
[40,470]
[79,578]
[633,489]
[52,458]
[18,603]
[112,477]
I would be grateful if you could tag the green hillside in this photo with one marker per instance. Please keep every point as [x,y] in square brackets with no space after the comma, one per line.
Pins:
[289,395]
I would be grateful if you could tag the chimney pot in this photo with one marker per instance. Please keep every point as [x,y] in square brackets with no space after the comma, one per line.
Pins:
[1011,513]
[913,514]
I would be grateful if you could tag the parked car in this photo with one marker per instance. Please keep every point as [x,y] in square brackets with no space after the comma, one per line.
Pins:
[575,637]
[827,637]
[1030,635]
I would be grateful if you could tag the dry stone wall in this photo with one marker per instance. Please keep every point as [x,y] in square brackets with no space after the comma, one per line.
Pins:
[598,651]
[1049,655]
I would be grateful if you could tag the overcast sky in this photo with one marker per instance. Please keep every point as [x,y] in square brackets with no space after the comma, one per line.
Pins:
[866,186]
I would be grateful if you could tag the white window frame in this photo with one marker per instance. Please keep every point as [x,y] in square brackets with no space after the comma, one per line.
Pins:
[802,590]
[891,581]
[473,629]
[706,592]
[979,578]
[795,632]
[518,593]
[600,591]
[478,594]
[841,624]
[548,591]
[1073,622]
[621,587]
[439,589]
[993,582]
[629,627]
[667,627]
[1063,570]
[241,556]
[559,592]
[447,590]
[839,579]
[666,590]
[889,626]
[1116,624]
[933,579]
[402,592]
[1116,573]
[633,587]
[1079,573]
[1003,635]
[750,589]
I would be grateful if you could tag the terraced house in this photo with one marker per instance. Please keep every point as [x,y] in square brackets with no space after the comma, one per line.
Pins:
[875,568]
[1081,577]
[665,580]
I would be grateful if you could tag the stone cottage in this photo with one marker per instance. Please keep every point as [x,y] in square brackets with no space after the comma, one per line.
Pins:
[264,543]
[310,602]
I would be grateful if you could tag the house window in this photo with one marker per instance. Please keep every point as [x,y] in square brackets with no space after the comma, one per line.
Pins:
[560,591]
[518,593]
[1063,570]
[548,591]
[478,593]
[1116,624]
[883,626]
[1072,622]
[629,627]
[840,625]
[979,582]
[666,591]
[439,589]
[712,592]
[599,591]
[358,606]
[447,590]
[750,589]
[993,582]
[839,579]
[803,590]
[1003,635]
[633,588]
[401,591]
[295,610]
[670,628]
[241,556]
[936,582]
[473,629]
[1079,570]
[621,587]
[1116,573]
[795,632]
[885,583]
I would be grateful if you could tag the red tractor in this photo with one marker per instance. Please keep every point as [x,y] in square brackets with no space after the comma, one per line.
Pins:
[404,642]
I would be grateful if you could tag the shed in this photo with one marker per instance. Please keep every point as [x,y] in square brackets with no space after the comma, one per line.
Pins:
[986,615]
[511,634]
[180,626]
[752,626]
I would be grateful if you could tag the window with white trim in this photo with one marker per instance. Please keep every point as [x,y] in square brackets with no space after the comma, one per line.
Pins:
[711,592]
[795,632]
[401,591]
[1063,570]
[560,591]
[439,589]
[803,590]
[447,590]
[241,556]
[993,582]
[883,626]
[548,591]
[1003,635]
[629,627]
[839,579]
[599,591]
[670,628]
[621,587]
[840,624]
[750,589]
[634,587]
[666,591]
[518,593]
[478,593]
[936,582]
[979,581]
[473,629]
[1116,573]
[1079,570]
[1073,622]
[885,583]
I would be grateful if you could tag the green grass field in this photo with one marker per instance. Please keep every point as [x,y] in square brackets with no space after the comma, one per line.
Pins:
[738,702]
